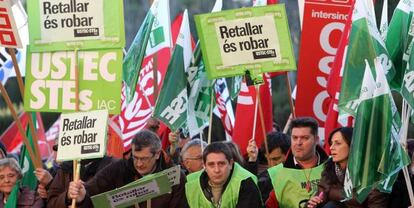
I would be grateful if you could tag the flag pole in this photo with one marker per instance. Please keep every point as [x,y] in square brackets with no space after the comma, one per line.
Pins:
[76,163]
[21,89]
[406,112]
[26,142]
[155,73]
[211,116]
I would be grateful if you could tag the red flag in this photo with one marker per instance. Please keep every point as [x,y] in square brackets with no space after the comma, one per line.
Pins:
[243,127]
[316,57]
[334,83]
[12,138]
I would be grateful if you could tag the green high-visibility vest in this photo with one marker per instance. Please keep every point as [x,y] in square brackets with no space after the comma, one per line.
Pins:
[290,184]
[197,199]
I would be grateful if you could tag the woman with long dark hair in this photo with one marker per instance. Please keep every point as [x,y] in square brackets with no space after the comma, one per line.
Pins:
[330,192]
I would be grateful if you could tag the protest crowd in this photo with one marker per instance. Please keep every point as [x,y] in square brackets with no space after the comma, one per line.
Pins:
[154,126]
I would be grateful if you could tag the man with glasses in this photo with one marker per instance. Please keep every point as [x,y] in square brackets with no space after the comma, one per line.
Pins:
[191,155]
[146,159]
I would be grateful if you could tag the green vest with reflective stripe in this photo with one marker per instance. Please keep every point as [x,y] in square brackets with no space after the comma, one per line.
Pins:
[290,184]
[230,196]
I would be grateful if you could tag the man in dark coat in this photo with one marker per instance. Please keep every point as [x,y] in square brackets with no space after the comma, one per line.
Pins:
[146,159]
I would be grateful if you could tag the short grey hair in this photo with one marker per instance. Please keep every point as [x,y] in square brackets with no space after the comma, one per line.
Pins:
[192,143]
[13,164]
[146,138]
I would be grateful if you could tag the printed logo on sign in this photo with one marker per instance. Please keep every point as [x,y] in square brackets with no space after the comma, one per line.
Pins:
[8,30]
[92,148]
[71,19]
[176,108]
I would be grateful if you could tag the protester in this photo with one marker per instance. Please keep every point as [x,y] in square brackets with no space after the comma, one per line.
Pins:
[192,157]
[223,182]
[146,159]
[58,188]
[10,173]
[333,175]
[295,180]
[177,140]
[278,145]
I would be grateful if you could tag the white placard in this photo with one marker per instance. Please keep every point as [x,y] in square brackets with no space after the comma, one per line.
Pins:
[82,135]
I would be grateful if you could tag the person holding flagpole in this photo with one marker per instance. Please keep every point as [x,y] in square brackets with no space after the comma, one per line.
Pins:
[330,193]
[295,180]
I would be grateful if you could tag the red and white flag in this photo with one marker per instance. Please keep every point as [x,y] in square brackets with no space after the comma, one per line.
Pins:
[224,108]
[134,115]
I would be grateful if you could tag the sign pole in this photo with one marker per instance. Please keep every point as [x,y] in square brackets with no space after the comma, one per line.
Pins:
[76,163]
[289,89]
[211,116]
[262,122]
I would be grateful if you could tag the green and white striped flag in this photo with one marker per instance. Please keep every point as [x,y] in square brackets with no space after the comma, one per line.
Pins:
[154,34]
[398,39]
[171,106]
[199,98]
[375,156]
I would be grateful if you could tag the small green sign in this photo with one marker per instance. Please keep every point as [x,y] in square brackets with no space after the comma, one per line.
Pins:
[57,25]
[256,39]
[51,83]
[133,193]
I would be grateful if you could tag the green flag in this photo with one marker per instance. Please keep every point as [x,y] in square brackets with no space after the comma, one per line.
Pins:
[133,59]
[12,200]
[365,43]
[199,98]
[29,178]
[398,38]
[375,156]
[171,106]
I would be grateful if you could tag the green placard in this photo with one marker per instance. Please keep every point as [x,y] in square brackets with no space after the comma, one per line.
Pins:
[57,25]
[256,39]
[135,192]
[50,81]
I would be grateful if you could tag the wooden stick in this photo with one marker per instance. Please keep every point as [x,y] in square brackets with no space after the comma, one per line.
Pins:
[149,203]
[76,176]
[21,88]
[36,161]
[76,164]
[255,111]
[210,127]
[76,81]
[262,122]
[289,89]
[17,71]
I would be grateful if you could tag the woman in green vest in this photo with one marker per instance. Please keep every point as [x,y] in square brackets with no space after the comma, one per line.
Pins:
[330,191]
